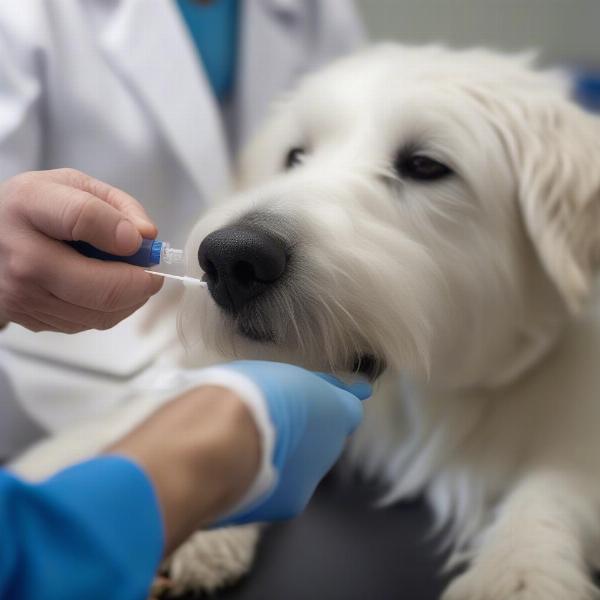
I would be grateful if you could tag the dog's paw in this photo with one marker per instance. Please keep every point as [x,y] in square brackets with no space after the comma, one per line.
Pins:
[209,560]
[521,584]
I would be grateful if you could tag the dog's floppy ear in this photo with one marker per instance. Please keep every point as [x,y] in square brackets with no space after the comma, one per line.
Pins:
[557,146]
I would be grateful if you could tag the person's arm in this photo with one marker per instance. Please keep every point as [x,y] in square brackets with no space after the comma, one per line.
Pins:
[93,531]
[208,460]
[99,529]
[44,285]
[291,429]
[250,444]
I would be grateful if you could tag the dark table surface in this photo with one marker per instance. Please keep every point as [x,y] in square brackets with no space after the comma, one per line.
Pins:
[342,548]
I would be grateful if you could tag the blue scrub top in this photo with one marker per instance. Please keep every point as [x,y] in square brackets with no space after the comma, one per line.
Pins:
[92,532]
[213,28]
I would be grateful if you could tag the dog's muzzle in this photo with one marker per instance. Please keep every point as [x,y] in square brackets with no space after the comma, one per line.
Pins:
[241,263]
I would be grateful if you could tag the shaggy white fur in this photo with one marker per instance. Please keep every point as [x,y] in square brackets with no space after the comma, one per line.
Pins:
[472,289]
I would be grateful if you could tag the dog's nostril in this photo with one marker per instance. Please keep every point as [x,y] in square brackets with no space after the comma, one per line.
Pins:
[244,272]
[211,271]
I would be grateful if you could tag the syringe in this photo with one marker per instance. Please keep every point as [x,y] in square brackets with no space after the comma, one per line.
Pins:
[150,253]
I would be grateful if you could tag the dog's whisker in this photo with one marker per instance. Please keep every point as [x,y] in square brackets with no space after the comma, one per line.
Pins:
[291,314]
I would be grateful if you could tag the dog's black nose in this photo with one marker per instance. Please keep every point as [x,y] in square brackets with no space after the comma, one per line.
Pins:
[240,263]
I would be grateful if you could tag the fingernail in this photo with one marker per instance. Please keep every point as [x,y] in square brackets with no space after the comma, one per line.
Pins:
[143,224]
[127,236]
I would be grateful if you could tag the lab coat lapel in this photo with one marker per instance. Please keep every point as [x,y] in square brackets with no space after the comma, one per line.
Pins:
[272,55]
[147,43]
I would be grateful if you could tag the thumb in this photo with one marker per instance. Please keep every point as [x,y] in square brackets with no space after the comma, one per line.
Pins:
[125,204]
[118,199]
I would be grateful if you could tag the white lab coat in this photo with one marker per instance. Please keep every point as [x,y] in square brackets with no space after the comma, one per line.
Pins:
[115,88]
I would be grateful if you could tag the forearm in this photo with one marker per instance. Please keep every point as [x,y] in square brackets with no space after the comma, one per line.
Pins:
[201,452]
[203,455]
[179,470]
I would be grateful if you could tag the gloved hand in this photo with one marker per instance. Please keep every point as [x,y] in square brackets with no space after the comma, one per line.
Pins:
[312,415]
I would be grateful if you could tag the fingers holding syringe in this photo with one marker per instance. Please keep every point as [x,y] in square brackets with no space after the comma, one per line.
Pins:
[63,316]
[68,318]
[38,210]
[127,205]
[24,319]
[94,284]
[68,205]
[82,216]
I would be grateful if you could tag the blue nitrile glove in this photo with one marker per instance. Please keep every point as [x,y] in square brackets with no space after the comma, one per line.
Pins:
[311,416]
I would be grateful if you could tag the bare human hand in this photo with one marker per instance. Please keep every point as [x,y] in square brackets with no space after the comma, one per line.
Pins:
[45,284]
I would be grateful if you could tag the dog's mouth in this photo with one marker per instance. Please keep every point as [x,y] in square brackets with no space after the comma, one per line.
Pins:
[251,330]
[252,325]
[366,364]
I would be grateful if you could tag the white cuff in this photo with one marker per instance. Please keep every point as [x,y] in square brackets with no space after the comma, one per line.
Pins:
[254,400]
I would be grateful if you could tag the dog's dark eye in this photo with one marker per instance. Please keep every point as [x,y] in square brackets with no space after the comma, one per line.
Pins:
[294,157]
[421,168]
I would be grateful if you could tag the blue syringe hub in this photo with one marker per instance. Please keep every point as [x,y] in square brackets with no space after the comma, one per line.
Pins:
[150,253]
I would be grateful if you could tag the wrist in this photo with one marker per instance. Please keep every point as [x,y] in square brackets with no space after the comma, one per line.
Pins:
[201,451]
[245,388]
[228,453]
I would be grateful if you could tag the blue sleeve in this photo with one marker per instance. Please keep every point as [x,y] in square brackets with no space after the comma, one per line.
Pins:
[92,531]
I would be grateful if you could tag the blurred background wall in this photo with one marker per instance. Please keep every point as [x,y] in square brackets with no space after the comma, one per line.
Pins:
[565,30]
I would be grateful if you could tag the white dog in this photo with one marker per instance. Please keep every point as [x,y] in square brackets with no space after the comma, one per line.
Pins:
[430,218]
